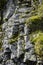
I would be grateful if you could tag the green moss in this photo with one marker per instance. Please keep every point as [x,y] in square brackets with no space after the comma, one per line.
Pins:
[37,39]
[34,13]
[22,15]
[1,49]
[35,23]
[33,19]
[39,45]
[36,36]
[39,48]
[14,36]
[40,10]
[13,39]
[27,11]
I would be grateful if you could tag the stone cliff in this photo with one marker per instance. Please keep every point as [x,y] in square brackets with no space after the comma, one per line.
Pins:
[17,48]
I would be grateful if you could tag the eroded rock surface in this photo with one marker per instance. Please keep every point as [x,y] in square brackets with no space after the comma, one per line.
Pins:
[14,27]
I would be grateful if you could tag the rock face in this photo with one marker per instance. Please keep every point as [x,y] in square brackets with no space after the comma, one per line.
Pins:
[21,51]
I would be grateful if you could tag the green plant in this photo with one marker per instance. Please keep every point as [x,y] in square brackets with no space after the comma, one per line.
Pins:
[35,23]
[37,40]
[13,39]
[39,47]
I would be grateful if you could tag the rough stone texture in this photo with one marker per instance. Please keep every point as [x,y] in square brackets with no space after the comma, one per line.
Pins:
[21,51]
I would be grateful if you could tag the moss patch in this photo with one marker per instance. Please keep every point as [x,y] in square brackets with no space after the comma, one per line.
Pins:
[37,39]
[39,45]
[36,36]
[35,23]
[13,40]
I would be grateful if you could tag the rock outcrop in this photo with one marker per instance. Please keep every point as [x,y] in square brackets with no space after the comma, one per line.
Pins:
[17,48]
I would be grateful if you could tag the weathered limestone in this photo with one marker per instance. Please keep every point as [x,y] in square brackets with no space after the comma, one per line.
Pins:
[40,1]
[32,3]
[14,50]
[20,47]
[21,50]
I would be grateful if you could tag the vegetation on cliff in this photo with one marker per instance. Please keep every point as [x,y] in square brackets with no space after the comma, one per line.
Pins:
[35,24]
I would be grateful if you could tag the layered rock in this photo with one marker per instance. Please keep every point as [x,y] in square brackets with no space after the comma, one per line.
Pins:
[16,44]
